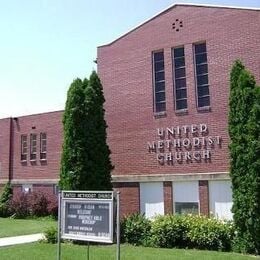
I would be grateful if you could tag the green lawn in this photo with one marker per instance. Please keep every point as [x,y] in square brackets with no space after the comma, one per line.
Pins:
[40,251]
[15,227]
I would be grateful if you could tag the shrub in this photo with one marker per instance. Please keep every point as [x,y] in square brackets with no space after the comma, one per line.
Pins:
[52,206]
[37,204]
[51,235]
[178,231]
[243,244]
[4,200]
[135,229]
[19,204]
[210,233]
[169,231]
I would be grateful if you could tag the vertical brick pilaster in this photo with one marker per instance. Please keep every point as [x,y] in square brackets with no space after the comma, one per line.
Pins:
[204,197]
[167,192]
[129,197]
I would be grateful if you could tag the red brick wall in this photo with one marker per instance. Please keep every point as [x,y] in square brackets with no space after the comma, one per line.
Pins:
[168,203]
[129,197]
[4,148]
[125,68]
[16,189]
[49,123]
[48,189]
[204,197]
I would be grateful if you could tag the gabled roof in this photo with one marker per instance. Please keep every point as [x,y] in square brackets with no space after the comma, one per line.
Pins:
[181,4]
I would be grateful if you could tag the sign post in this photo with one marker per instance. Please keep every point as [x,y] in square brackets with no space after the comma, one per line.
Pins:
[59,226]
[118,225]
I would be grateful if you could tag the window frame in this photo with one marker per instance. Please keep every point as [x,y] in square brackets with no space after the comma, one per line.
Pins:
[33,154]
[186,203]
[179,78]
[43,153]
[196,75]
[24,145]
[187,185]
[155,102]
[151,206]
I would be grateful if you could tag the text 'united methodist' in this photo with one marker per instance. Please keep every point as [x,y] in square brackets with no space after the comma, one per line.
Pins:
[186,143]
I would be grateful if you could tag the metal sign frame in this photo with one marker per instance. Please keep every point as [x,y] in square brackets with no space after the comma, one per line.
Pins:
[87,197]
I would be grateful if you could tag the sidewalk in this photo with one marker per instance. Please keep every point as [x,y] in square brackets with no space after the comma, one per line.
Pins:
[7,241]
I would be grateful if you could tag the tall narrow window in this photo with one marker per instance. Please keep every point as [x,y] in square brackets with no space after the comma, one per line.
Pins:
[43,146]
[159,82]
[24,148]
[33,147]
[179,78]
[202,81]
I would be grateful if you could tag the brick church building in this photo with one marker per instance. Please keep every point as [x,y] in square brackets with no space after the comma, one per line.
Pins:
[166,85]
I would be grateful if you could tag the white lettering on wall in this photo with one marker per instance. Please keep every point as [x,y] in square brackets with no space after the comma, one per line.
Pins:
[186,143]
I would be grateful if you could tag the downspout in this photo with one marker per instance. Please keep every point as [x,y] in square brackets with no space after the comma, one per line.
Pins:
[11,135]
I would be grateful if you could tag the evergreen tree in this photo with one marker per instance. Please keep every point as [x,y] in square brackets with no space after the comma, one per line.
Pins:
[74,148]
[100,165]
[254,171]
[85,163]
[244,167]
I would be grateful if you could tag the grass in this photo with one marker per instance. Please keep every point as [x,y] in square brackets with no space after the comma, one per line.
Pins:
[15,227]
[41,251]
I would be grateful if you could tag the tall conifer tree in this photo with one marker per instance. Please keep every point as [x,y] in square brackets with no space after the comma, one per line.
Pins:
[100,165]
[85,163]
[245,158]
[74,148]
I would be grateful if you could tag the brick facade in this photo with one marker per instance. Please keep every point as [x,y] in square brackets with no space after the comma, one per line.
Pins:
[4,149]
[168,203]
[38,172]
[125,68]
[203,197]
[126,71]
[129,197]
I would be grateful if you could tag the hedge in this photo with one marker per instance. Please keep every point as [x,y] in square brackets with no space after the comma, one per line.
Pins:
[178,231]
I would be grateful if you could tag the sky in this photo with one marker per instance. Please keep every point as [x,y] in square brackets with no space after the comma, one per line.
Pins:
[46,44]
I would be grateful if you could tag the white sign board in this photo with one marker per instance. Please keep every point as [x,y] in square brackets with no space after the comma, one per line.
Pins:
[87,215]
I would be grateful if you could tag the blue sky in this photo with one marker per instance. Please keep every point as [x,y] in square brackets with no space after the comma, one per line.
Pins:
[45,44]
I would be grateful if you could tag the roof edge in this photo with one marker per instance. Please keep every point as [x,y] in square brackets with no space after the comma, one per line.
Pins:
[175,5]
[33,114]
